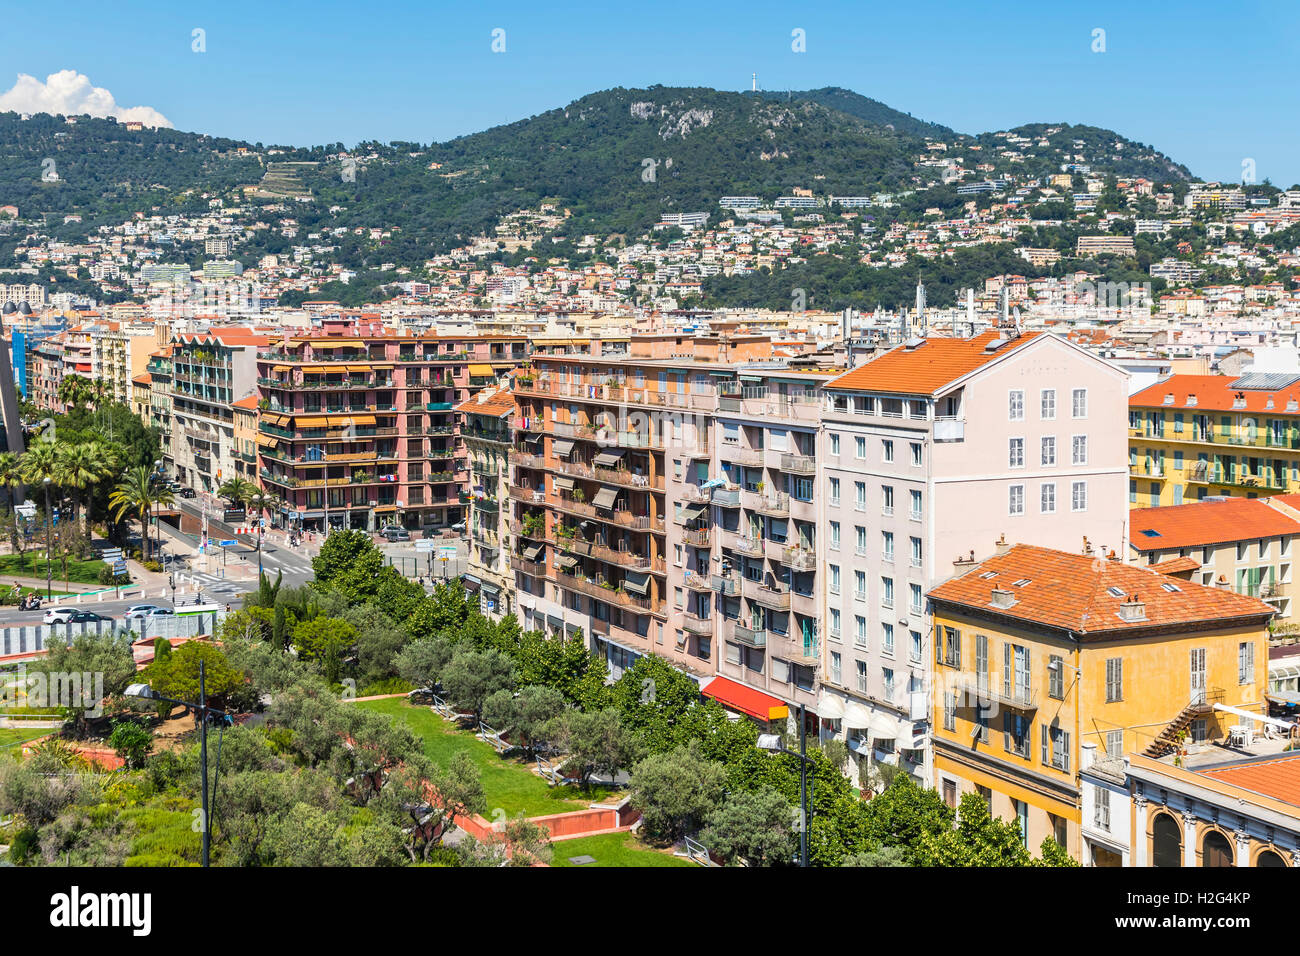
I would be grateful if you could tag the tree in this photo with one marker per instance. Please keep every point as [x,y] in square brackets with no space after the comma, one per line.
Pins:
[884,856]
[675,790]
[652,696]
[136,494]
[177,676]
[422,662]
[237,490]
[350,563]
[470,677]
[903,816]
[131,741]
[524,715]
[324,640]
[595,742]
[760,825]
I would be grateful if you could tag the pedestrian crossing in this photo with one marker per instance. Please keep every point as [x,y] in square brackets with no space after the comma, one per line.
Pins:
[214,584]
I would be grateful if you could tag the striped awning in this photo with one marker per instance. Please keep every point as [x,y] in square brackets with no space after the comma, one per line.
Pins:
[267,441]
[562,484]
[638,582]
[363,419]
[481,370]
[317,369]
[607,459]
[605,498]
[562,447]
[313,422]
[692,511]
[565,562]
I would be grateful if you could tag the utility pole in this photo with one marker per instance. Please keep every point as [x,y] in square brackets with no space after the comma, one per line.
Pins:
[203,761]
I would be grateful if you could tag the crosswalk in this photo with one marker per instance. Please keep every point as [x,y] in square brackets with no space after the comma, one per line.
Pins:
[215,584]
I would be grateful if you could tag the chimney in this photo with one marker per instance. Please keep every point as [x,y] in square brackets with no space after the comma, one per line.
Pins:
[961,562]
[1000,546]
[1223,582]
[1087,545]
[1133,610]
[1002,598]
[1087,754]
[1112,556]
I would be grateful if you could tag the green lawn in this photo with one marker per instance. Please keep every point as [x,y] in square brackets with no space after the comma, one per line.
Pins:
[508,783]
[12,736]
[613,849]
[32,565]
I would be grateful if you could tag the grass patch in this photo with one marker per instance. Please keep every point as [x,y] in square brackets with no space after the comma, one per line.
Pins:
[613,849]
[32,565]
[508,782]
[13,736]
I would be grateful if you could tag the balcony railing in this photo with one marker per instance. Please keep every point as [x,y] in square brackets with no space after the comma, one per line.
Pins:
[602,591]
[775,597]
[752,636]
[692,623]
[799,558]
[799,464]
[728,584]
[696,538]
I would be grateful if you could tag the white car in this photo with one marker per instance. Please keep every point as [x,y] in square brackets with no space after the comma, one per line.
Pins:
[58,615]
[144,610]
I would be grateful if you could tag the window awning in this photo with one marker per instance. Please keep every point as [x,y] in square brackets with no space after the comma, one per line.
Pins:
[532,552]
[565,562]
[605,498]
[317,369]
[856,715]
[273,419]
[481,370]
[280,368]
[1281,724]
[471,586]
[562,447]
[363,419]
[562,484]
[745,700]
[692,511]
[266,441]
[313,422]
[607,459]
[638,582]
[829,706]
[1289,697]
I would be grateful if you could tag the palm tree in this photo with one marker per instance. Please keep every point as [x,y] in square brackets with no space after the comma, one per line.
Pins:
[136,494]
[78,471]
[237,490]
[11,476]
[260,501]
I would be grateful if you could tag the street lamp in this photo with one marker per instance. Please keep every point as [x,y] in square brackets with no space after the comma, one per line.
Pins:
[772,742]
[145,692]
[171,580]
[49,561]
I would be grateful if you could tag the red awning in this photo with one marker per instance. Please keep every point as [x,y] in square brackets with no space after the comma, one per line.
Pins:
[746,700]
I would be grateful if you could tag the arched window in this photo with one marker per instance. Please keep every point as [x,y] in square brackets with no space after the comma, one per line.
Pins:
[1269,858]
[1216,850]
[1167,837]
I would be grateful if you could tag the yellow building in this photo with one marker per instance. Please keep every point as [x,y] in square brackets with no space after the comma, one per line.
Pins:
[244,434]
[1195,436]
[1038,652]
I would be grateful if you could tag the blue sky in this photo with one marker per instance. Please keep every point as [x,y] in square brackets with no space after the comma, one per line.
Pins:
[1211,85]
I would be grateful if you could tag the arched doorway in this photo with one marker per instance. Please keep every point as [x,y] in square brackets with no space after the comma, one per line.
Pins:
[1269,858]
[1216,850]
[1167,840]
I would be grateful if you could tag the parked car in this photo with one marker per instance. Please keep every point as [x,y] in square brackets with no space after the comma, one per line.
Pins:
[138,612]
[58,615]
[396,534]
[187,493]
[86,617]
[458,527]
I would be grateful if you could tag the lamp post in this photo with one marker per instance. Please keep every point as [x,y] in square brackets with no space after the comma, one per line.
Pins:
[49,565]
[772,742]
[146,692]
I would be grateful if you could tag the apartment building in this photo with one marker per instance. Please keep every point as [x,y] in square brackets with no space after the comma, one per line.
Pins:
[601,425]
[359,431]
[1198,436]
[1243,544]
[210,372]
[244,443]
[930,452]
[160,403]
[485,425]
[118,353]
[1038,652]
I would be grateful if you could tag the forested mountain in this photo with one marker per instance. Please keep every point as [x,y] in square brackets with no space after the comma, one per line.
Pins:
[866,109]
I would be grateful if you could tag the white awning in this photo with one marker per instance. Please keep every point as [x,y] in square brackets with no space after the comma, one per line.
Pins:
[830,707]
[857,715]
[562,447]
[1281,724]
[882,727]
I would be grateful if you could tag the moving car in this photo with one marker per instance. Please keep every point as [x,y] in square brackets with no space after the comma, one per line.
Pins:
[86,617]
[396,534]
[58,615]
[138,612]
[187,493]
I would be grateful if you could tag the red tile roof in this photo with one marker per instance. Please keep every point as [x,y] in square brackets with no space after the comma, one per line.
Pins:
[248,403]
[1207,522]
[1277,777]
[1073,592]
[499,404]
[927,369]
[1214,393]
[1175,565]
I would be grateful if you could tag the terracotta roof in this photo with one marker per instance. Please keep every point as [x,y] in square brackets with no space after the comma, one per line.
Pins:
[145,379]
[1207,522]
[1214,393]
[1175,565]
[249,403]
[1276,777]
[499,403]
[927,369]
[1074,592]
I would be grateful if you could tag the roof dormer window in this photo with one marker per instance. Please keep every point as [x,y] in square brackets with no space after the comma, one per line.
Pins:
[1191,399]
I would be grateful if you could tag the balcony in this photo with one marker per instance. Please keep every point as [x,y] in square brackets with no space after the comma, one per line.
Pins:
[696,538]
[697,582]
[776,598]
[602,590]
[728,584]
[621,556]
[799,464]
[949,428]
[984,689]
[726,497]
[804,651]
[694,624]
[746,545]
[752,457]
[750,636]
[533,568]
[799,558]
[777,504]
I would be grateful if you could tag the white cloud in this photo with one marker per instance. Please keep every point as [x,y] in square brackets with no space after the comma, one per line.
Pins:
[71,93]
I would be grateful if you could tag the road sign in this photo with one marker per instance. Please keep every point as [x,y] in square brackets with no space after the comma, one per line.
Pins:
[119,567]
[446,551]
[425,545]
[229,543]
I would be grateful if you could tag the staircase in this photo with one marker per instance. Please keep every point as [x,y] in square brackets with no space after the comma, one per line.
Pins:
[1167,740]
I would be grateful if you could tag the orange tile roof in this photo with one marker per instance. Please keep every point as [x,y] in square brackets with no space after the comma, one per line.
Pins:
[1072,592]
[499,403]
[1207,522]
[927,369]
[145,379]
[1214,393]
[248,403]
[1175,565]
[1275,777]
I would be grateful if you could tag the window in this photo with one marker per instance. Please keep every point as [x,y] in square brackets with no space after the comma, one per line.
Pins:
[949,720]
[1114,743]
[835,667]
[887,592]
[887,500]
[862,676]
[886,451]
[835,535]
[834,491]
[1047,498]
[982,666]
[1055,747]
[835,445]
[1016,453]
[1048,405]
[915,654]
[1114,679]
[1056,677]
[916,505]
[947,646]
[1080,402]
[1016,500]
[887,545]
[887,639]
[1015,673]
[860,630]
[859,585]
[916,454]
[1015,734]
[1079,496]
[915,591]
[860,540]
[1246,662]
[949,787]
[1016,405]
[1079,449]
[1049,450]
[835,623]
[860,495]
[834,570]
[860,448]
[1101,808]
[916,552]
[888,674]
